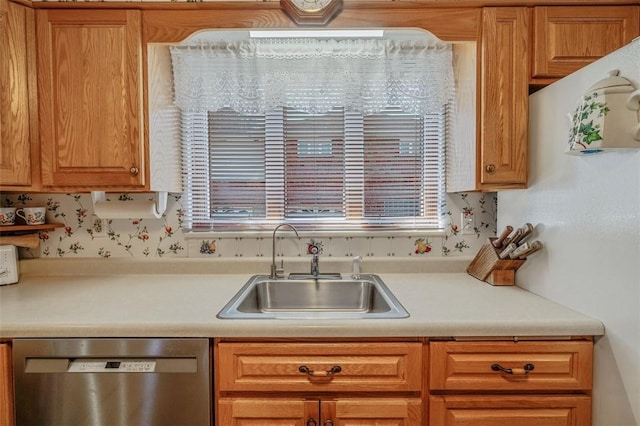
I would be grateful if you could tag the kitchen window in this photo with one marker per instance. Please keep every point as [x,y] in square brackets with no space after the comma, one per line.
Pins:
[318,151]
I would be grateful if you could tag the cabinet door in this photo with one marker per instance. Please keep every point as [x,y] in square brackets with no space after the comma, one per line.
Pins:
[568,38]
[523,410]
[504,98]
[267,412]
[6,385]
[89,77]
[372,412]
[17,85]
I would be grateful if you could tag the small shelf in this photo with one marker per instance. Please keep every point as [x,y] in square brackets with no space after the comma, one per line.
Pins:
[29,228]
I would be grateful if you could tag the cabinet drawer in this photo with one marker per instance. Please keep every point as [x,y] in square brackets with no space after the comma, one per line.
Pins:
[473,366]
[508,410]
[320,367]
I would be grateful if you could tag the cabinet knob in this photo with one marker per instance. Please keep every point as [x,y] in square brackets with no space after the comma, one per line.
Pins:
[311,422]
[134,171]
[328,423]
[490,168]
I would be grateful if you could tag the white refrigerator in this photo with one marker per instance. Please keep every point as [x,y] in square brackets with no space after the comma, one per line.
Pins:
[586,211]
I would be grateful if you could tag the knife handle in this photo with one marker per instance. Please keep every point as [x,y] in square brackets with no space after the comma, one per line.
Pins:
[520,250]
[534,247]
[517,234]
[500,241]
[527,230]
[507,251]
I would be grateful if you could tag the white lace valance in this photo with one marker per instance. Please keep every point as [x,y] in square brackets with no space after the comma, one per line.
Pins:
[313,75]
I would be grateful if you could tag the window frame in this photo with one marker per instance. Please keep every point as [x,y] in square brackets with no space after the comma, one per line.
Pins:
[353,201]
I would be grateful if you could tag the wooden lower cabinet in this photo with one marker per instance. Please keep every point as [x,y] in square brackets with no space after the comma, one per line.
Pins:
[410,383]
[318,383]
[303,412]
[540,383]
[509,410]
[6,385]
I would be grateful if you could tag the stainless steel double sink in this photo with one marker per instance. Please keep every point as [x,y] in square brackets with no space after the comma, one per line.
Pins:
[322,297]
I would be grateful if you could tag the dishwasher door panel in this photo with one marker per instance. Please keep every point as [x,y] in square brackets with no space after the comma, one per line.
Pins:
[112,382]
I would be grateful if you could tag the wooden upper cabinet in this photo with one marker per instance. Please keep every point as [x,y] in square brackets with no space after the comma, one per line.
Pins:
[18,147]
[90,89]
[566,38]
[504,97]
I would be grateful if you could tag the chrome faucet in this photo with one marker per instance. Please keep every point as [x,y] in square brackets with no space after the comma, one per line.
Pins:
[314,250]
[356,267]
[275,271]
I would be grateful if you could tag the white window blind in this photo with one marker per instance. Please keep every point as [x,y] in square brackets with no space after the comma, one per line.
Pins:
[314,164]
[249,165]
[339,169]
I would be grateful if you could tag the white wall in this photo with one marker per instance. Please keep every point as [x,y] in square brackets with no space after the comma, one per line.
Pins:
[587,213]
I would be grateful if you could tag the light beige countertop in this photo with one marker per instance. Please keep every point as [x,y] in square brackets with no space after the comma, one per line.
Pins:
[180,298]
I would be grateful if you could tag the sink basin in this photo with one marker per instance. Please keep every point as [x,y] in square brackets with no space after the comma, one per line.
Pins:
[262,297]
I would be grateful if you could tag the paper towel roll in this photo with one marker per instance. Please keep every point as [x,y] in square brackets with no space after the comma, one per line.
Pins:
[126,210]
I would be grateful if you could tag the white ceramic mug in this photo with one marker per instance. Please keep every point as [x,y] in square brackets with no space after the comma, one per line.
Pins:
[7,216]
[32,215]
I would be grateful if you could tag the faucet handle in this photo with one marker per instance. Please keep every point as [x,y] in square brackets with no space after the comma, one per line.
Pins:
[314,248]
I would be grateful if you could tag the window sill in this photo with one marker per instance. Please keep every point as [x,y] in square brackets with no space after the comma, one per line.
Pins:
[315,234]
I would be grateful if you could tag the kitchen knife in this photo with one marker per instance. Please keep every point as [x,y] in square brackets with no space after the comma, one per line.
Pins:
[505,253]
[520,250]
[515,237]
[527,230]
[534,247]
[500,241]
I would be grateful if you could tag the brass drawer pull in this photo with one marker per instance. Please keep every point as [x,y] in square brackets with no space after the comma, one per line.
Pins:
[311,422]
[330,372]
[328,423]
[515,371]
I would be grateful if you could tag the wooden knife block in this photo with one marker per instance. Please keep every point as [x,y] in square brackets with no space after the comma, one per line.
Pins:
[488,267]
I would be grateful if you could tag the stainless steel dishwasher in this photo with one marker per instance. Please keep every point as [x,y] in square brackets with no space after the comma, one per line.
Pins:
[112,382]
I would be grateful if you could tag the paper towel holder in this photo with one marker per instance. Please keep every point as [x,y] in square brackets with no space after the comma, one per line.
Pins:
[161,198]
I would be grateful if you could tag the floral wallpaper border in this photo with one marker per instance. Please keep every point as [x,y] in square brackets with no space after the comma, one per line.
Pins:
[82,236]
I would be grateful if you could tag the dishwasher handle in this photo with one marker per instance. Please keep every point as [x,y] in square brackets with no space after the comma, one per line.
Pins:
[111,365]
